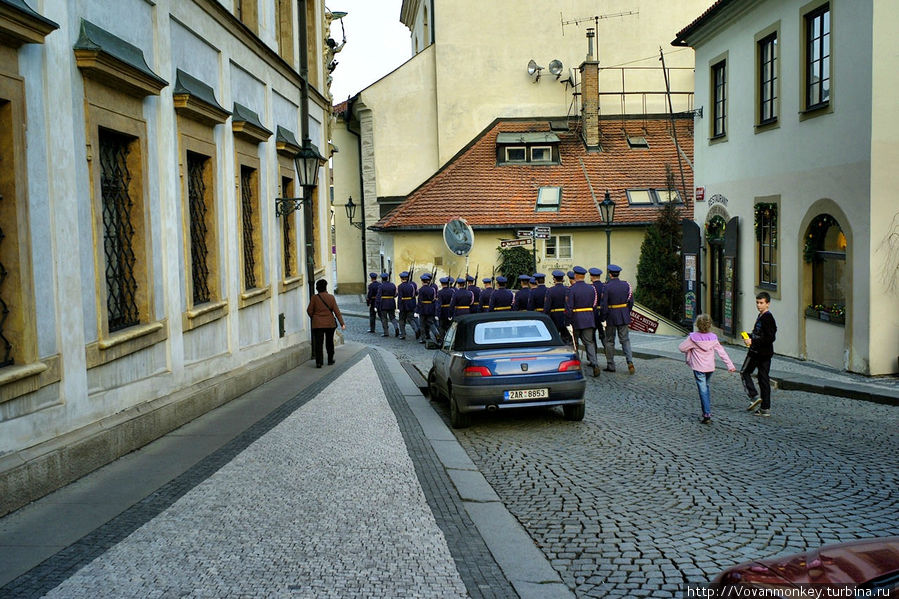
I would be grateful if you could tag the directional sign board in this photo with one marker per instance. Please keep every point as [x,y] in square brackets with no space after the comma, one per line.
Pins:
[515,242]
[524,233]
[541,232]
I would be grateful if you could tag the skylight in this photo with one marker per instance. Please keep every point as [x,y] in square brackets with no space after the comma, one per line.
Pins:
[549,199]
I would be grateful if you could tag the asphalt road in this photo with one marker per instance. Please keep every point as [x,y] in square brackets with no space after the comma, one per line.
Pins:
[640,499]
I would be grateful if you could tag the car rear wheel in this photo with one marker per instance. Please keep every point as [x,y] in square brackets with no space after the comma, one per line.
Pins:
[433,389]
[457,419]
[575,412]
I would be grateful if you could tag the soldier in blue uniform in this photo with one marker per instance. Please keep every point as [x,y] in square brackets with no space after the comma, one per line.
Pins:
[462,299]
[581,306]
[444,299]
[599,317]
[370,298]
[486,292]
[386,300]
[502,298]
[427,309]
[616,305]
[523,293]
[538,292]
[407,304]
[554,304]
[476,291]
[570,275]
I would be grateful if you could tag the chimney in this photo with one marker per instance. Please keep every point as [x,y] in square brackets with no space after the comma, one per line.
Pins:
[590,95]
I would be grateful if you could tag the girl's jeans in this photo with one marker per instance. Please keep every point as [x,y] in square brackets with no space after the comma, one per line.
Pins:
[702,383]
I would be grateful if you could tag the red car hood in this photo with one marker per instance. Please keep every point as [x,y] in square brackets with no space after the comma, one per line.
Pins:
[855,562]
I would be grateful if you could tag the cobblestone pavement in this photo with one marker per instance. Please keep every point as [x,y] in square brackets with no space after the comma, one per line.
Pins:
[640,499]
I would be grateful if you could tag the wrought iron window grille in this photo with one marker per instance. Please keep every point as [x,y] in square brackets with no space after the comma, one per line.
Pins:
[249,244]
[118,231]
[199,252]
[6,355]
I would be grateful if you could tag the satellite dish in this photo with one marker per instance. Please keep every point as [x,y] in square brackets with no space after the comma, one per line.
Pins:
[458,236]
[555,67]
[534,68]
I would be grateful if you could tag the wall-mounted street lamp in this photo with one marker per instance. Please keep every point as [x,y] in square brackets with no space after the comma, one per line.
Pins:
[607,211]
[350,208]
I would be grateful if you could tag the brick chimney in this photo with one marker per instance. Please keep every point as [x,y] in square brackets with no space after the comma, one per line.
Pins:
[590,95]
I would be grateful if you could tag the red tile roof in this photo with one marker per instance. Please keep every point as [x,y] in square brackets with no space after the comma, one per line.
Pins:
[473,186]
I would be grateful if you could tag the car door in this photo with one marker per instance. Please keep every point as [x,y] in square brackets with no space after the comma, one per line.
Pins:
[442,358]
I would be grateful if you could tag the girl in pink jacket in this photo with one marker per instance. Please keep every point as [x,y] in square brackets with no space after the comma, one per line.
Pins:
[700,348]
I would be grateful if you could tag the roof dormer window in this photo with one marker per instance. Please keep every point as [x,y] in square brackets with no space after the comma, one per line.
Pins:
[527,148]
[541,154]
[516,154]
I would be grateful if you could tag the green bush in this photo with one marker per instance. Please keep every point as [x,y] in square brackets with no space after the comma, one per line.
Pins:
[659,271]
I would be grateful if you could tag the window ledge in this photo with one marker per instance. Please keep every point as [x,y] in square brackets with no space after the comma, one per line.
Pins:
[204,314]
[291,283]
[126,342]
[834,320]
[810,113]
[254,296]
[19,380]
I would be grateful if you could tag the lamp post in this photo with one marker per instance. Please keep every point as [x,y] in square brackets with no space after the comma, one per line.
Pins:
[308,161]
[350,208]
[607,211]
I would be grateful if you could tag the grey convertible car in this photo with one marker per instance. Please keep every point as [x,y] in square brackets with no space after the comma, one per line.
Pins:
[502,360]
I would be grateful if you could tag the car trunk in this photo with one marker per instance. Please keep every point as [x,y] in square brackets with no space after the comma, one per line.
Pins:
[527,361]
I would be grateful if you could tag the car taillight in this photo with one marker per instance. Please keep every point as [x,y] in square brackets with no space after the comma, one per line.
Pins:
[569,365]
[476,371]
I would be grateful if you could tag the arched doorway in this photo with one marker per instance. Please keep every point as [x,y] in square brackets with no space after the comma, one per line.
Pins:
[714,236]
[827,290]
[722,237]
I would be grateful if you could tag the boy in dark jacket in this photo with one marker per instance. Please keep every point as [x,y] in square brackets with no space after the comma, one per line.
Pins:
[761,348]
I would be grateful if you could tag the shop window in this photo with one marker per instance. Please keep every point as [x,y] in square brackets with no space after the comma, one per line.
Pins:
[825,249]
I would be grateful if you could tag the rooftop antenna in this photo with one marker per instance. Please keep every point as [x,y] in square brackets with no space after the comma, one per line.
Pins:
[594,18]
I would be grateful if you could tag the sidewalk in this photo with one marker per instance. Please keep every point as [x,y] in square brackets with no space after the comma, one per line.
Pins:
[333,482]
[786,373]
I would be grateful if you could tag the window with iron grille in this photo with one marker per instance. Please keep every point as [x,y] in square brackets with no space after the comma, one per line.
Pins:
[766,235]
[719,106]
[287,232]
[118,230]
[198,205]
[767,49]
[817,62]
[249,237]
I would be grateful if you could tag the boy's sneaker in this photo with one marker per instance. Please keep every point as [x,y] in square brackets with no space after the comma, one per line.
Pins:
[764,413]
[706,420]
[753,403]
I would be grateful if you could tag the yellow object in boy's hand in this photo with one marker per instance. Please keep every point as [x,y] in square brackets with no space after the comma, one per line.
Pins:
[744,335]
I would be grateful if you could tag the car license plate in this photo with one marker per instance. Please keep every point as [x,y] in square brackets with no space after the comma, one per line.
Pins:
[527,394]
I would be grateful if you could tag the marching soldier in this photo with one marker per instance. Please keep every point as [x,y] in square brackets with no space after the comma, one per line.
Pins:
[370,300]
[407,305]
[427,309]
[523,293]
[570,275]
[554,304]
[386,300]
[486,292]
[460,305]
[599,317]
[502,298]
[476,291]
[582,300]
[444,299]
[616,305]
[538,293]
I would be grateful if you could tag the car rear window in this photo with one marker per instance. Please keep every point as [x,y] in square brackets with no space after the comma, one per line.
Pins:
[504,332]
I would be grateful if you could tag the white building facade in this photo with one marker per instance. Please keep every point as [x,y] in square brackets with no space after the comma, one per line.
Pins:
[795,156]
[147,277]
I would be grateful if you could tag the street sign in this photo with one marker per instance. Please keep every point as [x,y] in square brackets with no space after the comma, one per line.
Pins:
[524,233]
[541,232]
[515,242]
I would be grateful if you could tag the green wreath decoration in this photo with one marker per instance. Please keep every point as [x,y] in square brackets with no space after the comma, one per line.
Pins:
[766,211]
[714,228]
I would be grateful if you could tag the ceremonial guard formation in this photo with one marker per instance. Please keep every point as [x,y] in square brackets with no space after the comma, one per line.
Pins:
[579,310]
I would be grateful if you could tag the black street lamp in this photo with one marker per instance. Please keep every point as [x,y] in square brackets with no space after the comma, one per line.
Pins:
[607,210]
[350,208]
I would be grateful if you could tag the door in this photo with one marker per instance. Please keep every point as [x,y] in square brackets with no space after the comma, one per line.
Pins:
[716,281]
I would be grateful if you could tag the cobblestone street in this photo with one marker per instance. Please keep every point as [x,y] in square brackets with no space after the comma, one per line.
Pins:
[641,499]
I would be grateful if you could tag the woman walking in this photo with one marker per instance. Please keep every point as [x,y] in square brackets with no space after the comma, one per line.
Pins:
[323,310]
[700,348]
